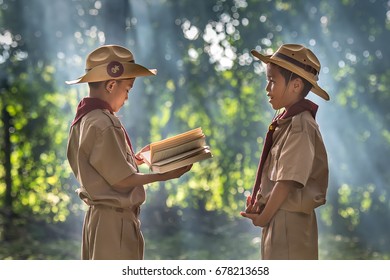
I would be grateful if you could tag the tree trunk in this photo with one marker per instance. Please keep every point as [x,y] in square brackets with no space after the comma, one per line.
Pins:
[114,21]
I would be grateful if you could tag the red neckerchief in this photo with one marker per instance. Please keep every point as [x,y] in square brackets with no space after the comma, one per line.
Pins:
[297,108]
[89,104]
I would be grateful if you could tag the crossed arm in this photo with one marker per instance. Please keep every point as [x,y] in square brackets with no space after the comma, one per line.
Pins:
[278,195]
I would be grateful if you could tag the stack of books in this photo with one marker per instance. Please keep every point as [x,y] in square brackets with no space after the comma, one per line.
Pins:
[177,151]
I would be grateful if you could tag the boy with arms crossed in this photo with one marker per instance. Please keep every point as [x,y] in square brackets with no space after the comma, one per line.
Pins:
[292,176]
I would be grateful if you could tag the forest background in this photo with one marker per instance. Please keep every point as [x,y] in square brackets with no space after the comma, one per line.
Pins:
[206,77]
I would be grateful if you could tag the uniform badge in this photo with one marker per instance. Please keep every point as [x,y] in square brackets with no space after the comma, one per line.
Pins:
[115,69]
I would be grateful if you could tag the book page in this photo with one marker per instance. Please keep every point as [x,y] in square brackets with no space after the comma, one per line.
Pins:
[146,157]
[181,156]
[176,140]
[204,154]
[170,152]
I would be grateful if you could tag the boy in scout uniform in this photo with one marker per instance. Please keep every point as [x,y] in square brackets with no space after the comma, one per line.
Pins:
[292,176]
[102,158]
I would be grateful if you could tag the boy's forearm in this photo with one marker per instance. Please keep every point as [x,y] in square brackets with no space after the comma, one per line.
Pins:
[139,179]
[278,196]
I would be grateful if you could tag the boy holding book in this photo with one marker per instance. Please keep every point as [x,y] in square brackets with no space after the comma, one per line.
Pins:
[102,158]
[292,176]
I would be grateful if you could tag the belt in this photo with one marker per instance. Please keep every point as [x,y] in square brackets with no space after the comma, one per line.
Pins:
[135,210]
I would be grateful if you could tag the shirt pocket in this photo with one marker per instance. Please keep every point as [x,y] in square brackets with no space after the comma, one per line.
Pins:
[273,169]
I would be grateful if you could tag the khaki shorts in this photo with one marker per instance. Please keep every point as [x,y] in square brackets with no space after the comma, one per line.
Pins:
[290,236]
[111,233]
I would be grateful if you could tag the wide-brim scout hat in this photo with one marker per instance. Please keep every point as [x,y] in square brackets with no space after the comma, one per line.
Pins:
[299,60]
[111,62]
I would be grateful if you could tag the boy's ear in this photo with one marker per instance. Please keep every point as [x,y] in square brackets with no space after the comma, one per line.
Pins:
[297,85]
[110,85]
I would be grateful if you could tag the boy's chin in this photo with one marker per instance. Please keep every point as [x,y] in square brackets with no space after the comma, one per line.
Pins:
[276,107]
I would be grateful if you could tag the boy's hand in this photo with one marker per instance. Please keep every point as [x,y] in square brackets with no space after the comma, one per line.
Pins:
[253,212]
[256,218]
[138,159]
[177,173]
[253,208]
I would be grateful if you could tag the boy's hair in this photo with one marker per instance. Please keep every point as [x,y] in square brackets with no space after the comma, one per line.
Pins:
[94,85]
[287,74]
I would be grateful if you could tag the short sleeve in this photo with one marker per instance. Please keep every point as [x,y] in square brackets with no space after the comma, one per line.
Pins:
[294,159]
[109,156]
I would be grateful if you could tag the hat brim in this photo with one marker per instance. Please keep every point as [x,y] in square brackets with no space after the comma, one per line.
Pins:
[99,73]
[293,68]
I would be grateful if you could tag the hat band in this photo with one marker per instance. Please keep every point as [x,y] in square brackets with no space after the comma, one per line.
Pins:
[305,67]
[87,70]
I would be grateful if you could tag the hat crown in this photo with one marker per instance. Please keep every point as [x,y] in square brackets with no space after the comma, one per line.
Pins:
[300,54]
[111,62]
[106,54]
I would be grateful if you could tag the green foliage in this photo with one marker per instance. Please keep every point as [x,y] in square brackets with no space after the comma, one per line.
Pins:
[38,133]
[206,78]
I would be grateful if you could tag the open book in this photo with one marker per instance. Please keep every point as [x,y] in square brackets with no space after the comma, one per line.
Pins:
[177,151]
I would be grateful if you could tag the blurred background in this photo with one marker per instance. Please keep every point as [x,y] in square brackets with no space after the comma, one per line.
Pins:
[207,78]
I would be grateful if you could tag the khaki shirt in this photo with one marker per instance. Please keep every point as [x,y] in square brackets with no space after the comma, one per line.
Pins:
[298,154]
[100,157]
